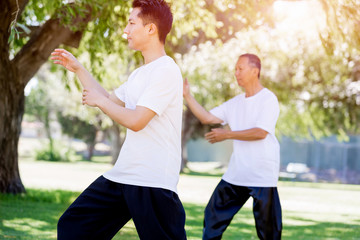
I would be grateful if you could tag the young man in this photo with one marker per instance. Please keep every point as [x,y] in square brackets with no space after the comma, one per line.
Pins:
[254,165]
[142,184]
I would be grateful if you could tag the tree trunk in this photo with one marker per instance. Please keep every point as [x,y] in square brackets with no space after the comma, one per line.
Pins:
[14,75]
[90,150]
[11,112]
[46,117]
[11,106]
[116,141]
[188,129]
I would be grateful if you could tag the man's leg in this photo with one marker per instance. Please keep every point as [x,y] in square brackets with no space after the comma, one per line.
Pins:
[98,213]
[157,213]
[267,212]
[225,202]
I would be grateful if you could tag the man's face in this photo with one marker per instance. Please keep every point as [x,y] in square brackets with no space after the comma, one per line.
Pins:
[244,73]
[136,31]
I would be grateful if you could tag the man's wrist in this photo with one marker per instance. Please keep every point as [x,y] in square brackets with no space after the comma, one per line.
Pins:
[80,70]
[228,134]
[187,96]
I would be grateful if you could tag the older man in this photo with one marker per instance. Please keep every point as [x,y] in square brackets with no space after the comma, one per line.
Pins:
[254,165]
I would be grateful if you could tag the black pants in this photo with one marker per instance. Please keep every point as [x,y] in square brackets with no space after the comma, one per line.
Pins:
[105,207]
[227,200]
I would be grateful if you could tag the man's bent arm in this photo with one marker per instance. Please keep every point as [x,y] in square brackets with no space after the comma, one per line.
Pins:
[116,100]
[88,81]
[204,116]
[219,134]
[251,134]
[134,119]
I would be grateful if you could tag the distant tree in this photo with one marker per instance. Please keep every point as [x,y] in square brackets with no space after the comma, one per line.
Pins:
[80,129]
[40,105]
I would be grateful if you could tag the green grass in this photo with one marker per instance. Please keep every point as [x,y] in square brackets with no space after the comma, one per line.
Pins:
[34,215]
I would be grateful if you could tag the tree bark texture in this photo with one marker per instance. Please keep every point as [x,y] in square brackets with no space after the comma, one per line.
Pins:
[14,75]
[11,112]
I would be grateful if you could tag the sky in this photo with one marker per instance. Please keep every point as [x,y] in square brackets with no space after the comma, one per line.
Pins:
[304,17]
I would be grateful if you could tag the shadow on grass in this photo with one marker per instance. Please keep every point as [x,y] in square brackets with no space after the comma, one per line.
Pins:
[321,230]
[294,227]
[190,172]
[34,216]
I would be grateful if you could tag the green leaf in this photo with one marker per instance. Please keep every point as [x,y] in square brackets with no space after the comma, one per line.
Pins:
[24,28]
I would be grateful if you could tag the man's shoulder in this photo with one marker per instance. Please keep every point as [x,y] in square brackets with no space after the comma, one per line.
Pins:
[166,62]
[269,94]
[230,103]
[237,98]
[166,67]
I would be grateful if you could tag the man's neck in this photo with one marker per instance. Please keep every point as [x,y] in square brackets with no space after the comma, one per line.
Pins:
[153,52]
[253,89]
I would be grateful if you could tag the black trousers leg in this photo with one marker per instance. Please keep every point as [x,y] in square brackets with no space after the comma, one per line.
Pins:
[267,212]
[224,203]
[98,213]
[157,213]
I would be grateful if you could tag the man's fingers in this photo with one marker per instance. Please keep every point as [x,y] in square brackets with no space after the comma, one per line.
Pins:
[60,50]
[56,58]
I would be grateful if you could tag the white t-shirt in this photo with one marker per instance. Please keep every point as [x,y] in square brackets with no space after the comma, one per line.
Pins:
[151,157]
[252,163]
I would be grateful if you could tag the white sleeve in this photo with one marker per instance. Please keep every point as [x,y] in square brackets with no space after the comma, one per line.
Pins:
[120,92]
[220,112]
[268,115]
[164,86]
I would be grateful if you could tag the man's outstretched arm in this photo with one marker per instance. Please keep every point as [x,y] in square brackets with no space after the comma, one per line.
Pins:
[67,60]
[204,116]
[96,96]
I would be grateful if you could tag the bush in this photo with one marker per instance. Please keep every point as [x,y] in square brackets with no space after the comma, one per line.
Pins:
[56,154]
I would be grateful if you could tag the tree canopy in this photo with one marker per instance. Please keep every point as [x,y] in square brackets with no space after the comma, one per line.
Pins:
[316,80]
[31,30]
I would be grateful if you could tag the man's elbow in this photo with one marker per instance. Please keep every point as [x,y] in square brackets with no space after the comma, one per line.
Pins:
[137,126]
[205,121]
[210,120]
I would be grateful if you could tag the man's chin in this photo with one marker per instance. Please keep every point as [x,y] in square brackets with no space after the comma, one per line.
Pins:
[132,47]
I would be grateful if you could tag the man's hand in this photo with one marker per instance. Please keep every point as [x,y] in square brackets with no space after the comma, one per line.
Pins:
[216,135]
[91,97]
[186,88]
[66,59]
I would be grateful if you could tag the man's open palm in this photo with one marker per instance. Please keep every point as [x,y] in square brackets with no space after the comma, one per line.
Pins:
[66,59]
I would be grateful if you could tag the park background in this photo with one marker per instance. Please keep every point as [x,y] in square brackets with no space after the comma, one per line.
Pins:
[52,146]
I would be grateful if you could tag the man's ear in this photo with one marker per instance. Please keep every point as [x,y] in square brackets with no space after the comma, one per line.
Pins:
[152,29]
[255,71]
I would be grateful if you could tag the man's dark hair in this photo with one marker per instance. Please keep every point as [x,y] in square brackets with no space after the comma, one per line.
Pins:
[253,61]
[157,12]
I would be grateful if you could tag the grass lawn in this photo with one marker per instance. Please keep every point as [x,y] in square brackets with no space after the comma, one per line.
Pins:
[34,215]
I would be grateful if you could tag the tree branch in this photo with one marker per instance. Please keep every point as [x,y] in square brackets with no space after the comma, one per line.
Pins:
[43,41]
